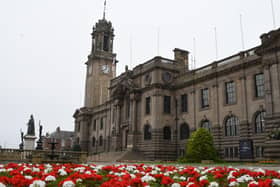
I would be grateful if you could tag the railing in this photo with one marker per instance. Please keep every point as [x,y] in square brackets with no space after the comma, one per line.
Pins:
[41,156]
[243,54]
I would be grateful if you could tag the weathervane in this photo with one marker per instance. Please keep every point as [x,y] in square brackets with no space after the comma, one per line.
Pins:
[104,11]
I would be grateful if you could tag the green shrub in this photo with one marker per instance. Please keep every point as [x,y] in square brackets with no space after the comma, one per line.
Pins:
[200,146]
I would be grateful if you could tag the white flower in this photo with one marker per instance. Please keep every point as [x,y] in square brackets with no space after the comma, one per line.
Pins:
[148,178]
[68,184]
[62,172]
[260,170]
[175,177]
[50,178]
[47,170]
[204,177]
[233,183]
[88,172]
[244,178]
[253,182]
[132,176]
[182,178]
[2,170]
[28,177]
[175,185]
[35,169]
[276,182]
[213,184]
[38,183]
[190,184]
[2,185]
[79,180]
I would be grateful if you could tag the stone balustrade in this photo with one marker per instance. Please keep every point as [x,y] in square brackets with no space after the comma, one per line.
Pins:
[42,156]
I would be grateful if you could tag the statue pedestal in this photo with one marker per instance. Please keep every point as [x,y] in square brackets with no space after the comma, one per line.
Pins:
[29,142]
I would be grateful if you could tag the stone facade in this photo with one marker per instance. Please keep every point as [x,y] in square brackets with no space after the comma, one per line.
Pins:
[154,107]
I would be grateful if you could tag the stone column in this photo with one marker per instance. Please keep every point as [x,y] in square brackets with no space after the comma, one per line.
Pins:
[132,122]
[268,91]
[84,133]
[215,130]
[244,123]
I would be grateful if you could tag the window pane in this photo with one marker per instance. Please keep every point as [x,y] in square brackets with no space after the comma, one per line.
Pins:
[184,131]
[231,126]
[259,84]
[148,105]
[206,124]
[167,104]
[259,122]
[230,93]
[184,103]
[204,97]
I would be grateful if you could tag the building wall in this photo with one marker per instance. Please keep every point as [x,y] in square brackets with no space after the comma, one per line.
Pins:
[128,92]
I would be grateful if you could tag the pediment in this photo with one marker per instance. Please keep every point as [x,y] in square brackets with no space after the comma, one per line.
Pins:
[125,86]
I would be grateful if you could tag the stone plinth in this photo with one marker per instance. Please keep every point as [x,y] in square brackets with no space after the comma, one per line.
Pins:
[29,142]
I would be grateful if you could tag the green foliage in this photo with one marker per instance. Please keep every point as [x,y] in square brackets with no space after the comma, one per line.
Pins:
[200,147]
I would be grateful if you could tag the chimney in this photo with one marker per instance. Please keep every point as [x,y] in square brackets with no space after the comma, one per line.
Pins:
[182,57]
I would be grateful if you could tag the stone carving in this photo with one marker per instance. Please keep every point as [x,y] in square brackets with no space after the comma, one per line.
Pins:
[31,126]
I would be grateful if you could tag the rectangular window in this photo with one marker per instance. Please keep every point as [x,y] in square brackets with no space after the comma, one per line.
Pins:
[167,104]
[226,152]
[230,93]
[204,98]
[148,105]
[94,125]
[259,85]
[101,123]
[184,103]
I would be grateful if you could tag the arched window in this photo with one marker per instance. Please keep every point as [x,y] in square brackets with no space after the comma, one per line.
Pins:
[93,141]
[206,124]
[259,122]
[167,133]
[231,125]
[100,140]
[184,131]
[147,132]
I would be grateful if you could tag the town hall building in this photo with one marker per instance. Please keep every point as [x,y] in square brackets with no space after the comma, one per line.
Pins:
[153,108]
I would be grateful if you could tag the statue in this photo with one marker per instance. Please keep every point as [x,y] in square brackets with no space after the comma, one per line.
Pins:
[31,126]
[40,142]
[21,144]
[40,131]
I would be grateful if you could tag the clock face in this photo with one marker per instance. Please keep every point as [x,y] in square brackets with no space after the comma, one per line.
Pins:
[105,68]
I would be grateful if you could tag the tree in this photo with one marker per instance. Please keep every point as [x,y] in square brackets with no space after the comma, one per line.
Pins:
[200,146]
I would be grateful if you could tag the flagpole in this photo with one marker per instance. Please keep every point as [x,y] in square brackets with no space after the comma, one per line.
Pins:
[216,42]
[158,31]
[242,34]
[273,14]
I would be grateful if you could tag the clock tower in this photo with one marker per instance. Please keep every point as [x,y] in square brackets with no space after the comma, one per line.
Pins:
[101,64]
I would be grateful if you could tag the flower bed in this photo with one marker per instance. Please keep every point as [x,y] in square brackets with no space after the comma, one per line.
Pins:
[70,175]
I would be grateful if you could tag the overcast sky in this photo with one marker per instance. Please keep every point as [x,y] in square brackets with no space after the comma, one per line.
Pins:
[44,44]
